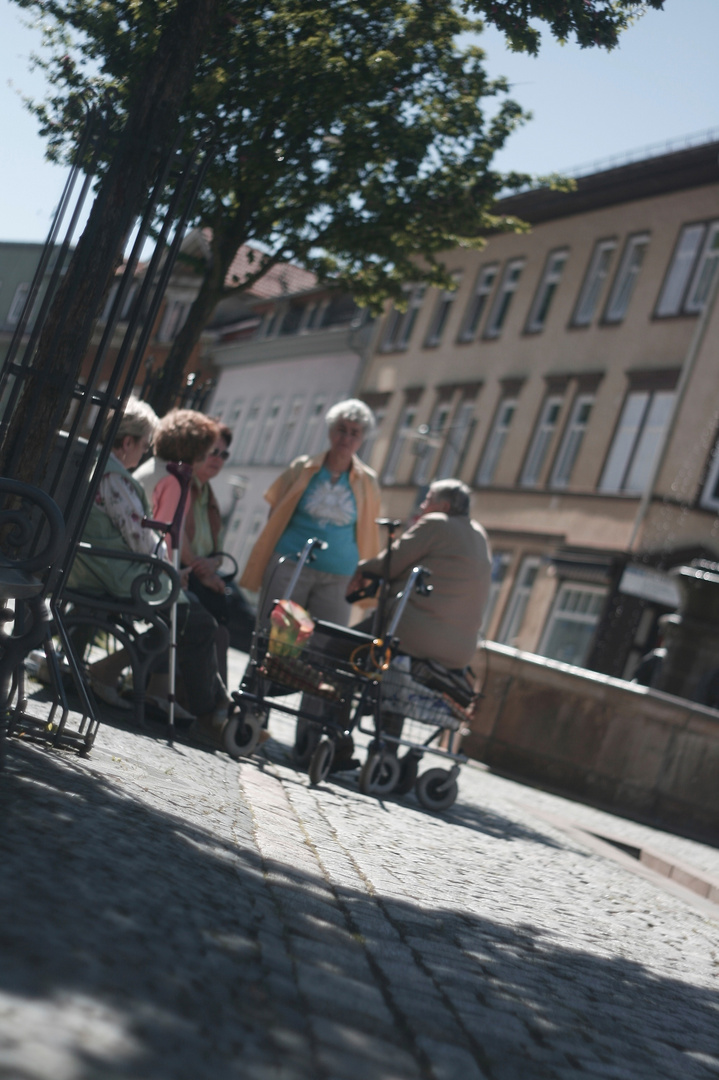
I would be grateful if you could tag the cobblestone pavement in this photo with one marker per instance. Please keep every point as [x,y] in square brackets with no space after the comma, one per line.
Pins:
[168,913]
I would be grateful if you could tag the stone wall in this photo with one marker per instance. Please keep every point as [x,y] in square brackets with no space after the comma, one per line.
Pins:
[613,743]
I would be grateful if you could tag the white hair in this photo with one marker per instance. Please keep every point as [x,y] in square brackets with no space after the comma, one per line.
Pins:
[138,420]
[453,492]
[354,410]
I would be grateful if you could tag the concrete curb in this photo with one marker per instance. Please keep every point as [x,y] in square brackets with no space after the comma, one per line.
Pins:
[696,887]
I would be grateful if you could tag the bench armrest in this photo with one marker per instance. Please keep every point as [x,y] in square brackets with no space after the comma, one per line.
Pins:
[148,590]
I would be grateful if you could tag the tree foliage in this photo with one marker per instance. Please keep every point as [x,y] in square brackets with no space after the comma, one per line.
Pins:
[355,136]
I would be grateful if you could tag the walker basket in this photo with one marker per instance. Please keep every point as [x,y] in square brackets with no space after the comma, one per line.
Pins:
[295,673]
[401,694]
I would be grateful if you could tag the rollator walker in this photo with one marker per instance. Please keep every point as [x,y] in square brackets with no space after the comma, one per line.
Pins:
[345,681]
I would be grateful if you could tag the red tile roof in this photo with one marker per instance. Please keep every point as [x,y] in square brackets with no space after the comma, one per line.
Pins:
[280,280]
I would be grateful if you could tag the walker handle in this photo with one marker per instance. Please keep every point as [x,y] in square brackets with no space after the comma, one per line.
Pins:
[183,474]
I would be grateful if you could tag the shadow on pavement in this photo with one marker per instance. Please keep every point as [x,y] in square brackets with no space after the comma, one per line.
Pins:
[138,945]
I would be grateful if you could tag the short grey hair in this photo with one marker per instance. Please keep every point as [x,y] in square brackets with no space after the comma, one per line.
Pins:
[453,492]
[353,410]
[139,420]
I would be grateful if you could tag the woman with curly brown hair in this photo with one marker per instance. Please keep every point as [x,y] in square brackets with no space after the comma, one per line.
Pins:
[198,440]
[183,435]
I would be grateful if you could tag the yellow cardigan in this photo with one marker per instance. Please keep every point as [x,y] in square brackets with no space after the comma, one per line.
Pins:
[284,495]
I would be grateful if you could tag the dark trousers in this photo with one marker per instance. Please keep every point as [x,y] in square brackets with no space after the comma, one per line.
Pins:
[197,657]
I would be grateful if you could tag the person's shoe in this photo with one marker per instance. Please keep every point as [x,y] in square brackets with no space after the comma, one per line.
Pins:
[108,694]
[36,666]
[210,727]
[183,718]
[345,765]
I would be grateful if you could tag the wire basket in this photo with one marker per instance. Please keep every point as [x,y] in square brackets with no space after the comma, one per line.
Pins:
[312,671]
[405,696]
[297,674]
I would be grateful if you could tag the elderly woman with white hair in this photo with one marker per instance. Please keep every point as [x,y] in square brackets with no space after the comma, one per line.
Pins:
[333,496]
[115,522]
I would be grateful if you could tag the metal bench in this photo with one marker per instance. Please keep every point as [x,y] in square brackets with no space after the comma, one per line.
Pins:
[32,539]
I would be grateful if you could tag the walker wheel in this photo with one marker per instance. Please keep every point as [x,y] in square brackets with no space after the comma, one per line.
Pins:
[242,733]
[436,790]
[321,762]
[379,774]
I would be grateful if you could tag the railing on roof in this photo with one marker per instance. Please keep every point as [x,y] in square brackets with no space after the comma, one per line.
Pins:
[643,153]
[657,149]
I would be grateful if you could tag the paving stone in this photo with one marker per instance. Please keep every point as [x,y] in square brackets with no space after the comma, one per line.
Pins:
[168,913]
[449,1062]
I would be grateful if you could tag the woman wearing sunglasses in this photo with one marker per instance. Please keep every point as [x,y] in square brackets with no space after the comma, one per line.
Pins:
[190,436]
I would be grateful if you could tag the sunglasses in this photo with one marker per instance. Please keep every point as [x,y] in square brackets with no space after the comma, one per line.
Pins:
[224,454]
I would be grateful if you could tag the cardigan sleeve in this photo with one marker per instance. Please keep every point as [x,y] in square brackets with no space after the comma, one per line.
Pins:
[279,488]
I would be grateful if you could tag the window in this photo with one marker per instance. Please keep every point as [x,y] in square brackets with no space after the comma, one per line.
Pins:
[271,324]
[710,492]
[367,447]
[18,303]
[572,440]
[543,433]
[341,310]
[405,430]
[626,278]
[441,314]
[458,436]
[545,293]
[571,625]
[675,284]
[434,437]
[288,433]
[594,283]
[400,324]
[495,442]
[234,414]
[176,312]
[478,302]
[292,319]
[312,317]
[637,440]
[704,273]
[503,299]
[514,615]
[233,421]
[500,565]
[245,435]
[269,426]
[314,426]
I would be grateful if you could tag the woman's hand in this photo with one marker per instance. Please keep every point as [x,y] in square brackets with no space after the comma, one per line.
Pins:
[205,570]
[209,564]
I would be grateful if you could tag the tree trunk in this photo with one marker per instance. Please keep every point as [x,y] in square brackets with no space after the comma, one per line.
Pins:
[165,390]
[152,122]
[226,240]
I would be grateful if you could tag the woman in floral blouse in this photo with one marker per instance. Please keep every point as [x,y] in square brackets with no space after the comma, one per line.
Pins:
[115,522]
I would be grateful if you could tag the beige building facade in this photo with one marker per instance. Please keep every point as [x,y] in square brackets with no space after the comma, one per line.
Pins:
[571,378]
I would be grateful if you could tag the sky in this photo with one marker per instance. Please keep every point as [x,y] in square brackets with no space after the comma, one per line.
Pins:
[661,85]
